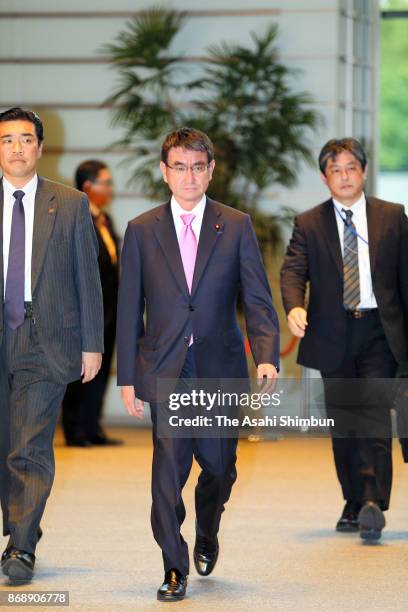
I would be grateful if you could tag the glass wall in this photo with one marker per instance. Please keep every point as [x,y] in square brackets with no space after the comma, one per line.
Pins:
[358,35]
[393,156]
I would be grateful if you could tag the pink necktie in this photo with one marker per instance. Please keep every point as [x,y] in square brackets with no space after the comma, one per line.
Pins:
[188,248]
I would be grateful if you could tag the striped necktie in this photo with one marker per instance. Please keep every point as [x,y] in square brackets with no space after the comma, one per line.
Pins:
[351,275]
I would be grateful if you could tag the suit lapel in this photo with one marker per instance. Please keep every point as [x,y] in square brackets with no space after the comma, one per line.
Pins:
[374,227]
[165,232]
[166,235]
[211,229]
[331,233]
[44,217]
[1,241]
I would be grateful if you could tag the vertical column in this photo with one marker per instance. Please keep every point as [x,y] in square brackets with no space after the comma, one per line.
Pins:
[358,70]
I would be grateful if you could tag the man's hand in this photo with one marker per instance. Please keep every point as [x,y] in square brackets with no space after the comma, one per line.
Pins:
[270,373]
[133,405]
[297,321]
[91,364]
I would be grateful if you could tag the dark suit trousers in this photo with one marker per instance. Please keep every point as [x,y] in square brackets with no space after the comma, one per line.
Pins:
[172,461]
[362,407]
[30,402]
[82,404]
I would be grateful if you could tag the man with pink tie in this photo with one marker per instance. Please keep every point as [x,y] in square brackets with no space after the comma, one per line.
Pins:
[184,263]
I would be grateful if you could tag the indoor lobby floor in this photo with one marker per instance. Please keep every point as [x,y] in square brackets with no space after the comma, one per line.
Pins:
[278,547]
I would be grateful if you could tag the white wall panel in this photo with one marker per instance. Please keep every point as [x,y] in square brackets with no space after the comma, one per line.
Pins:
[56,83]
[136,5]
[70,38]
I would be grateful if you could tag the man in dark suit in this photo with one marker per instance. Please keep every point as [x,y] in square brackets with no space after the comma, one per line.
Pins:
[352,251]
[51,326]
[82,404]
[183,263]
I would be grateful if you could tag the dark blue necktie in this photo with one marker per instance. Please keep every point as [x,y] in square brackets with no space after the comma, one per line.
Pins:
[14,298]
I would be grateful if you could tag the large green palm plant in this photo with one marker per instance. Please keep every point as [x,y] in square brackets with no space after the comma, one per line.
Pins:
[241,98]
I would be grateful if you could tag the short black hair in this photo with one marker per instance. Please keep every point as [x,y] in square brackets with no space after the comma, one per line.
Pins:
[187,138]
[335,146]
[88,171]
[21,114]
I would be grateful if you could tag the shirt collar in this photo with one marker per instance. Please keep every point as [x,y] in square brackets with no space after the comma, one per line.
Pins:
[29,188]
[95,211]
[198,209]
[355,208]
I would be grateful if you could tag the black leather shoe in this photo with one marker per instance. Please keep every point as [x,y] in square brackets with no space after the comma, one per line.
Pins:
[78,441]
[205,555]
[173,587]
[18,565]
[10,546]
[348,522]
[99,440]
[371,520]
[5,554]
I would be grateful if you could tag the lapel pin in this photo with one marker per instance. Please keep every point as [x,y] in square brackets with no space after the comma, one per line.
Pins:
[218,228]
[51,211]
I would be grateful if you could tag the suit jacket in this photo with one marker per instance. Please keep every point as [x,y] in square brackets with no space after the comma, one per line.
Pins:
[228,259]
[65,284]
[109,273]
[314,256]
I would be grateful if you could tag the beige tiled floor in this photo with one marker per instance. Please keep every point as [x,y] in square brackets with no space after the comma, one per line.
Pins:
[279,550]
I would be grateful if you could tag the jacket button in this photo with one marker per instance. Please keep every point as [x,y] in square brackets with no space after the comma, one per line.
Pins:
[196,339]
[191,307]
[186,339]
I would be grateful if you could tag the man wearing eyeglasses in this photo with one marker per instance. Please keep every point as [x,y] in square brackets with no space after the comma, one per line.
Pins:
[352,251]
[183,263]
[83,403]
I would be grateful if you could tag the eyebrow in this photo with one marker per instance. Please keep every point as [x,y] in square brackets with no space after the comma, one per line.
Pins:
[194,164]
[24,134]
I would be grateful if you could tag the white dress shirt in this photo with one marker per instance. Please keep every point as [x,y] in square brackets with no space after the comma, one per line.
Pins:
[30,190]
[198,211]
[359,218]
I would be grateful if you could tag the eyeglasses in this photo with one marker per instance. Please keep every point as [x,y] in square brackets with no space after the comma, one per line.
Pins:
[107,183]
[195,168]
[339,170]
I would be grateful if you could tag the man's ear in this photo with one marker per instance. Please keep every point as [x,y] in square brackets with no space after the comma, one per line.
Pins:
[87,186]
[212,166]
[163,170]
[365,172]
[323,177]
